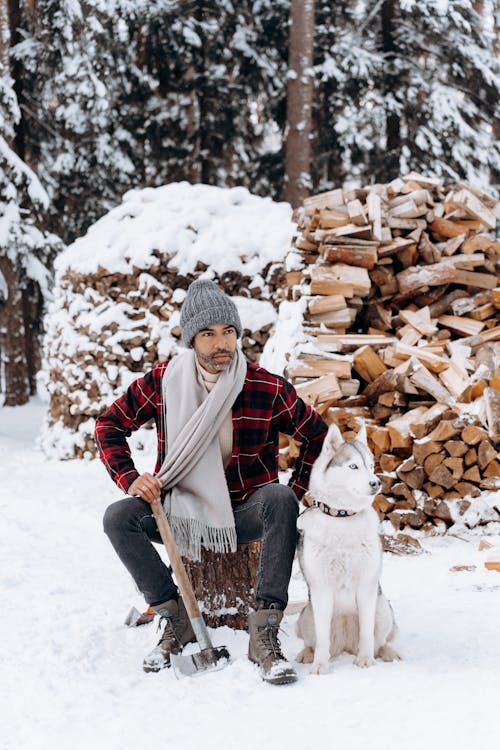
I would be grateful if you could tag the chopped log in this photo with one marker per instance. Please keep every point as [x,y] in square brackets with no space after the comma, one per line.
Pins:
[388,462]
[362,257]
[492,470]
[442,475]
[368,364]
[419,277]
[432,362]
[331,218]
[473,435]
[455,379]
[435,491]
[399,429]
[470,457]
[330,303]
[401,544]
[467,489]
[461,325]
[422,425]
[415,478]
[456,466]
[383,505]
[324,388]
[471,278]
[374,214]
[492,404]
[445,430]
[455,448]
[331,199]
[472,206]
[338,319]
[325,277]
[423,448]
[337,343]
[447,229]
[420,320]
[423,379]
[485,453]
[472,475]
[381,439]
[310,368]
[433,460]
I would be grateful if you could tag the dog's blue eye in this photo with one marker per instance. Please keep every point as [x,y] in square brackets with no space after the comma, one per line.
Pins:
[353,466]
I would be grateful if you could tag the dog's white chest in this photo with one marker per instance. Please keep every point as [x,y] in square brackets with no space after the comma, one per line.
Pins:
[340,554]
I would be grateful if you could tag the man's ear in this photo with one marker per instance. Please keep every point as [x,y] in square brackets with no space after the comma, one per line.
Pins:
[362,436]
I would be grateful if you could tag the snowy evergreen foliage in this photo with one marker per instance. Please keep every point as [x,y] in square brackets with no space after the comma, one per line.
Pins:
[22,203]
[414,85]
[128,93]
[121,94]
[74,132]
[212,75]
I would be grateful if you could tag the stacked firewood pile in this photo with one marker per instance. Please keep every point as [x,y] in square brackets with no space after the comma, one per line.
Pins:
[119,291]
[117,325]
[398,285]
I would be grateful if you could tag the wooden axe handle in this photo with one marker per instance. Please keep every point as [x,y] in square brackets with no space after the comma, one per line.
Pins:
[182,577]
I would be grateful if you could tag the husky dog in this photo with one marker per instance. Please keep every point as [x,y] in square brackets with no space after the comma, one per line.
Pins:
[340,555]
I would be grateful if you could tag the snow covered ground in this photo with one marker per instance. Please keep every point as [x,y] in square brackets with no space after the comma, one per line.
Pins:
[71,672]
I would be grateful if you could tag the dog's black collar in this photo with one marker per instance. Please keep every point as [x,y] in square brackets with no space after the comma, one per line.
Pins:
[335,512]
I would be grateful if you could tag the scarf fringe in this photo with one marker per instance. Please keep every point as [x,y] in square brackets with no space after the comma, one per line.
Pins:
[192,534]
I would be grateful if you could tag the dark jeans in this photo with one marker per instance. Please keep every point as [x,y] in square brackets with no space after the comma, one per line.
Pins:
[269,514]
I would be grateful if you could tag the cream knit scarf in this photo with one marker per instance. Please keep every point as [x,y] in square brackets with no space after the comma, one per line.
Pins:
[197,502]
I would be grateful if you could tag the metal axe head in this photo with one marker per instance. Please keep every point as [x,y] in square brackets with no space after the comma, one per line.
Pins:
[206,660]
[136,618]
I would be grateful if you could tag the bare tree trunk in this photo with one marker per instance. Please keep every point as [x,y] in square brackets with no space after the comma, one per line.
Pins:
[19,303]
[4,38]
[14,369]
[391,159]
[300,92]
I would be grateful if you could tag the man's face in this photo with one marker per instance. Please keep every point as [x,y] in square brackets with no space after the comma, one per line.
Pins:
[215,347]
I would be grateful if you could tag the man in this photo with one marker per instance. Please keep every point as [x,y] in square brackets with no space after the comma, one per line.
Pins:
[218,420]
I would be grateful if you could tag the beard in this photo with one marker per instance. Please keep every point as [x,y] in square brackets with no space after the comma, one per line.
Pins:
[211,361]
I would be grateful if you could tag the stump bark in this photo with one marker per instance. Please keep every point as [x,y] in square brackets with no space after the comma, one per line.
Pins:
[224,584]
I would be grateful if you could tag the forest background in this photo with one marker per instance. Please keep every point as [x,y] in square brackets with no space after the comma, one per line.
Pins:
[284,97]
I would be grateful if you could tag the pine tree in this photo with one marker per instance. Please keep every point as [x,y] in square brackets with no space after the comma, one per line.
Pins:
[75,134]
[410,85]
[25,250]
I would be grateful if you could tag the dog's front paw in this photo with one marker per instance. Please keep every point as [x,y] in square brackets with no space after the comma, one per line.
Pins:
[364,661]
[320,667]
[306,656]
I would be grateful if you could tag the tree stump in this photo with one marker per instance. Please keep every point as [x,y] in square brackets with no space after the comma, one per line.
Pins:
[224,584]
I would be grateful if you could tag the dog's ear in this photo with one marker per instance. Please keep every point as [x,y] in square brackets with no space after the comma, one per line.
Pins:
[362,436]
[334,438]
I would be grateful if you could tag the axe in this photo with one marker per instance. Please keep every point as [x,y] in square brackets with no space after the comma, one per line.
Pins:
[209,657]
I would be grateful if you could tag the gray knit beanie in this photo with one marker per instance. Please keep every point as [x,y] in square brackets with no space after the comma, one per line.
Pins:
[206,305]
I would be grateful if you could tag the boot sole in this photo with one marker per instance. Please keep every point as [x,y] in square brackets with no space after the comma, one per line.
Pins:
[148,669]
[283,679]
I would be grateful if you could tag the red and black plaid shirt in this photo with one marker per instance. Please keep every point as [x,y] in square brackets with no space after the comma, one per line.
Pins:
[267,405]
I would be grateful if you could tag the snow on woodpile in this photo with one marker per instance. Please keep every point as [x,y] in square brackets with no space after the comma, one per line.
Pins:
[392,316]
[119,290]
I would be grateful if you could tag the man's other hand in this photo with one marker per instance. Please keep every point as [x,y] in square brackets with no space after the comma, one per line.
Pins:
[147,487]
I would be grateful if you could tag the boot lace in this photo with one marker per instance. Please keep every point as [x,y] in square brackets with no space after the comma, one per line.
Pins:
[169,635]
[268,637]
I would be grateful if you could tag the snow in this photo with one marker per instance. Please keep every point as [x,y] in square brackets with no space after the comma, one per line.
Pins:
[229,229]
[71,671]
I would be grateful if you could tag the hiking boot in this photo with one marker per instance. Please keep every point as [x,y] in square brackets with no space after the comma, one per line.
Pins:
[177,632]
[264,647]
